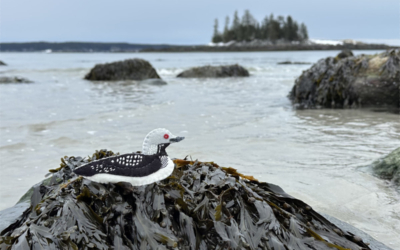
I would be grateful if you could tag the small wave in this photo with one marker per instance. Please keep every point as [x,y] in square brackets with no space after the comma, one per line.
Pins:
[170,71]
[261,69]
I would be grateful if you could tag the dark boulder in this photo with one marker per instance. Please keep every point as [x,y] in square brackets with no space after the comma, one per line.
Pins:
[215,71]
[200,206]
[368,239]
[388,167]
[354,81]
[2,63]
[130,69]
[344,54]
[13,79]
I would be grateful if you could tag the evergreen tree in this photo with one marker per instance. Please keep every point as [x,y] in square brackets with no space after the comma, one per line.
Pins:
[295,31]
[258,34]
[264,28]
[291,30]
[280,27]
[273,29]
[303,33]
[226,35]
[288,29]
[236,20]
[248,19]
[217,38]
[236,27]
[248,26]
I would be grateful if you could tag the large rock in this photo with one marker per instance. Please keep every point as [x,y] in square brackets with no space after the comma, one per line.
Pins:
[14,79]
[350,81]
[131,69]
[215,71]
[2,63]
[388,167]
[200,206]
[368,239]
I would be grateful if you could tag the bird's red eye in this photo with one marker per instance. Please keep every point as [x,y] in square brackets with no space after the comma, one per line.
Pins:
[166,136]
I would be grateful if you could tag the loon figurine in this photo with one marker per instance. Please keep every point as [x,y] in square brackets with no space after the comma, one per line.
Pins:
[152,165]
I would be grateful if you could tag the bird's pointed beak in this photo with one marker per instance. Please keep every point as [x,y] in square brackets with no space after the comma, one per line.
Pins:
[176,139]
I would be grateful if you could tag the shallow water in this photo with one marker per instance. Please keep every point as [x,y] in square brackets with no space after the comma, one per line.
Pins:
[245,123]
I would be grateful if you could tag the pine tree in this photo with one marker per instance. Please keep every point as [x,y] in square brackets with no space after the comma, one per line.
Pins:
[273,29]
[248,26]
[291,30]
[258,34]
[303,33]
[280,27]
[295,31]
[217,36]
[264,28]
[236,27]
[226,35]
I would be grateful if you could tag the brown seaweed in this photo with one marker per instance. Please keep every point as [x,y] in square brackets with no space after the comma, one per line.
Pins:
[200,206]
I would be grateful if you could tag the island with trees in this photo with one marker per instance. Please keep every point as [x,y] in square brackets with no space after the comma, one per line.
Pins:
[273,33]
[272,30]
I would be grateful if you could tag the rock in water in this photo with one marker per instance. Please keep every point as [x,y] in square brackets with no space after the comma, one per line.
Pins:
[131,69]
[200,206]
[14,79]
[344,54]
[290,62]
[350,81]
[389,167]
[215,71]
[2,63]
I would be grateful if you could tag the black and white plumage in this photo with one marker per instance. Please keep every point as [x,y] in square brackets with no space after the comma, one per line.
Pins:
[152,165]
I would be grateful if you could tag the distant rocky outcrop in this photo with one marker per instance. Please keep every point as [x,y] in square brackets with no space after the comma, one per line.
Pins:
[2,63]
[350,81]
[290,62]
[344,54]
[131,69]
[13,79]
[388,167]
[215,71]
[200,206]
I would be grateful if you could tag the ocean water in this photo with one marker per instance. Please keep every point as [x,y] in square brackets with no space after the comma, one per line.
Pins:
[245,123]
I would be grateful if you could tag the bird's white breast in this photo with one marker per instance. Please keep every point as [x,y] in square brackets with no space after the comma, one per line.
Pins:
[135,181]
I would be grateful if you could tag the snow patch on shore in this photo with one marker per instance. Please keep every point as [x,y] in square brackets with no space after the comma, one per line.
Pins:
[221,44]
[326,42]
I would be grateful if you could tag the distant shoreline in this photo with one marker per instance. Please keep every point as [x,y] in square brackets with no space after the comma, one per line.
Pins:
[88,47]
[271,48]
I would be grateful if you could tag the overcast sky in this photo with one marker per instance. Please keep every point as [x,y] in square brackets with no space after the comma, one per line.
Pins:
[187,21]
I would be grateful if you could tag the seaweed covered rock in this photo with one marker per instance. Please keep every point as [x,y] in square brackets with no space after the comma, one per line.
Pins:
[200,206]
[388,167]
[215,71]
[350,81]
[130,69]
